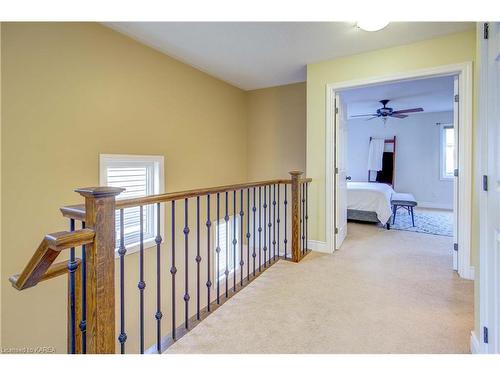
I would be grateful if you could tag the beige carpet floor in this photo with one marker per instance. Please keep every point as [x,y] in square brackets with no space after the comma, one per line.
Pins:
[382,292]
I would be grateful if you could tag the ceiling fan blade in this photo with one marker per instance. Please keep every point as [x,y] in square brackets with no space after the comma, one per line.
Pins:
[371,118]
[409,110]
[398,116]
[373,114]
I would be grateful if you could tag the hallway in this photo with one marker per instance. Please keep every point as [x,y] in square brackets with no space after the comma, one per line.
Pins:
[383,292]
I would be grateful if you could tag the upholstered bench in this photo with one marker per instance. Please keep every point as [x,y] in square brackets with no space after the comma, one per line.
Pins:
[403,200]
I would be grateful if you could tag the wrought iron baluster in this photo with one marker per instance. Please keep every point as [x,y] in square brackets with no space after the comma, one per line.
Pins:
[173,271]
[209,225]
[141,285]
[307,214]
[269,225]
[234,240]
[198,258]
[274,222]
[83,321]
[278,221]
[248,234]
[254,209]
[226,223]
[158,314]
[122,338]
[241,238]
[218,249]
[260,231]
[186,265]
[265,226]
[285,203]
[72,266]
[303,221]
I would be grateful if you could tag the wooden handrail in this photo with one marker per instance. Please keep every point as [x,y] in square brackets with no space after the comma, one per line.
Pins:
[77,211]
[55,270]
[38,267]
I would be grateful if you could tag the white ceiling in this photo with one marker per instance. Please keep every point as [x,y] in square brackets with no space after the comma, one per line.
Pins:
[432,94]
[253,55]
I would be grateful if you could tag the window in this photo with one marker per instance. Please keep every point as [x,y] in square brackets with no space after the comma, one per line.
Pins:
[447,151]
[139,175]
[226,238]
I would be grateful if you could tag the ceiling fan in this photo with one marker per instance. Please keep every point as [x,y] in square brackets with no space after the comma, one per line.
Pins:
[386,112]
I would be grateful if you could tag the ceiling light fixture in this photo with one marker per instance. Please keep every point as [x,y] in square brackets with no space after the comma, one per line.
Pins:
[372,25]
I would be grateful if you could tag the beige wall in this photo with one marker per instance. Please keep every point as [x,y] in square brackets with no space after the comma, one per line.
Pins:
[71,92]
[451,49]
[276,131]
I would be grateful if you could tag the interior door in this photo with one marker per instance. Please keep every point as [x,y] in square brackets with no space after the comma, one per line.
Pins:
[490,332]
[340,172]
[455,179]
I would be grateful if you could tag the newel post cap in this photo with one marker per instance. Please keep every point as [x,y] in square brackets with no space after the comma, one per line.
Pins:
[296,173]
[100,191]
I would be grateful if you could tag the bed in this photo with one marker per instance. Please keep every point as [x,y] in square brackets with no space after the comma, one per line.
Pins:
[369,201]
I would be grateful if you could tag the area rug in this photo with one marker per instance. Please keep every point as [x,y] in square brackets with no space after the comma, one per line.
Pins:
[438,222]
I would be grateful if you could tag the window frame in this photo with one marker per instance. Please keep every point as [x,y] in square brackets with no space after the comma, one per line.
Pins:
[232,272]
[158,187]
[442,151]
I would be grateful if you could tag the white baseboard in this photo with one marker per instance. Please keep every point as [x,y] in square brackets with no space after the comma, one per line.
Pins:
[469,273]
[439,206]
[474,343]
[320,246]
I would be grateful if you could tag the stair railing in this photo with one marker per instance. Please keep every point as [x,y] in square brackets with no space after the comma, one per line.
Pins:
[262,222]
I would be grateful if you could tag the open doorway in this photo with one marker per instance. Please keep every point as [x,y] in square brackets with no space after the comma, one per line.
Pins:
[421,139]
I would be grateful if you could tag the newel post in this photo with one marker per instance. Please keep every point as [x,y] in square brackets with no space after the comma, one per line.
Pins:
[100,217]
[295,216]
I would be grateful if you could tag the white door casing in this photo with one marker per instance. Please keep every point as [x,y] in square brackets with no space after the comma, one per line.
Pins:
[456,127]
[465,156]
[489,220]
[340,172]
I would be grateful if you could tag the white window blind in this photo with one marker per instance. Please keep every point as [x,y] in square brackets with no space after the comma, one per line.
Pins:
[139,176]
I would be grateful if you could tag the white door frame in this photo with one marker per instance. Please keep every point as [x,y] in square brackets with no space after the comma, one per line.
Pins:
[464,72]
[488,118]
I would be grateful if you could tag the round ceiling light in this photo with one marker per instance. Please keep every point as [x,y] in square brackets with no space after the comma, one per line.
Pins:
[372,25]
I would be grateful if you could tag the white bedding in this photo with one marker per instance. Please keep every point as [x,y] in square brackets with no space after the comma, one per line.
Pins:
[370,196]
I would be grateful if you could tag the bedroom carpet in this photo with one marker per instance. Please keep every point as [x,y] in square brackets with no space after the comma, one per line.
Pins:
[439,222]
[382,292]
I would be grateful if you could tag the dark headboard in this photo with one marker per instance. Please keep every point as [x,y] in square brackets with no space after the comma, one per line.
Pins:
[386,175]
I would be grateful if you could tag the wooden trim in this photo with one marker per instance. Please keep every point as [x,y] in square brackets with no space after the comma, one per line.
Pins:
[295,216]
[134,202]
[77,211]
[53,271]
[37,268]
[100,263]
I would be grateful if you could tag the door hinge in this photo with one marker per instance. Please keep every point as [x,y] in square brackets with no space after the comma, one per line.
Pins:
[456,97]
[336,110]
[485,183]
[455,172]
[336,170]
[455,246]
[485,335]
[486,30]
[336,230]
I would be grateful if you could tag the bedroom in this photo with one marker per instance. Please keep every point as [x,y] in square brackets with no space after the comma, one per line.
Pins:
[399,147]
